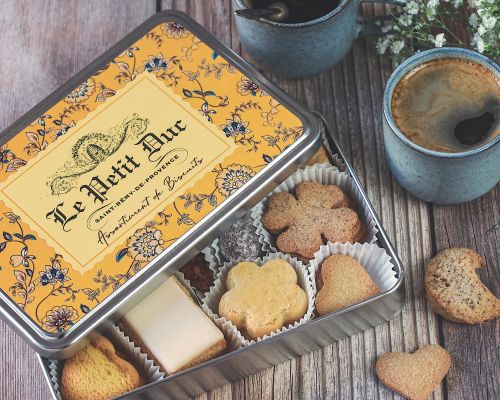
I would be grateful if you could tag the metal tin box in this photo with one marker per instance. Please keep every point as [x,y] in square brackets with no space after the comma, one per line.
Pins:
[197,81]
[293,343]
[101,169]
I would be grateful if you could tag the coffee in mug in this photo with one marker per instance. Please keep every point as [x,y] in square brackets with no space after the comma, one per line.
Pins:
[448,105]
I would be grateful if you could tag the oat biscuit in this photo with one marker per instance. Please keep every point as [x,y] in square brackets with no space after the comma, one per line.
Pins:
[262,299]
[416,375]
[344,282]
[240,241]
[317,212]
[454,289]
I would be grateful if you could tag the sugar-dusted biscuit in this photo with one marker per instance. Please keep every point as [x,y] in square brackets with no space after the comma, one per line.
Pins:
[415,376]
[240,241]
[454,289]
[317,212]
[344,282]
[97,373]
[262,299]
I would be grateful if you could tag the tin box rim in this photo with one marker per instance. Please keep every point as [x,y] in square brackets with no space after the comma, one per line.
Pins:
[67,343]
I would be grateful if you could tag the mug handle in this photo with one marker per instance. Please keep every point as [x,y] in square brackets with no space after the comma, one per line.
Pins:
[371,26]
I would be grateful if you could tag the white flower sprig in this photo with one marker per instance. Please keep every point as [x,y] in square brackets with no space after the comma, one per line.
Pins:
[425,24]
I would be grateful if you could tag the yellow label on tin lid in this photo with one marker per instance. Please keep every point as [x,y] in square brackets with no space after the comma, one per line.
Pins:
[114,170]
[129,161]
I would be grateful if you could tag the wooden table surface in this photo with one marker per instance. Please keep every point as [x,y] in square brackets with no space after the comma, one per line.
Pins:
[44,42]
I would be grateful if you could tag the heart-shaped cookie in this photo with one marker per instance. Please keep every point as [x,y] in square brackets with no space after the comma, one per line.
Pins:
[416,375]
[344,282]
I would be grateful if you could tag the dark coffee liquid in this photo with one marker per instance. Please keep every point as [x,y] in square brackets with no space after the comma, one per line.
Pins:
[299,10]
[449,105]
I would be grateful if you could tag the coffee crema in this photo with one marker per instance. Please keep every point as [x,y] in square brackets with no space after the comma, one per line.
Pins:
[448,104]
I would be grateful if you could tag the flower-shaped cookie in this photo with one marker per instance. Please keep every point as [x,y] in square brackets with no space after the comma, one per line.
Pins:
[319,212]
[263,299]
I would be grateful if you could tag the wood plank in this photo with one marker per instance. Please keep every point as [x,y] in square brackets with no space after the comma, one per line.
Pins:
[44,43]
[475,350]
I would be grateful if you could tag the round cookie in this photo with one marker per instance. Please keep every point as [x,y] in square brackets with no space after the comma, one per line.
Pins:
[240,241]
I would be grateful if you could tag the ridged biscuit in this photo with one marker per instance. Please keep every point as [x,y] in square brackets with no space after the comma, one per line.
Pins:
[344,282]
[414,376]
[454,289]
[302,223]
[262,299]
[97,373]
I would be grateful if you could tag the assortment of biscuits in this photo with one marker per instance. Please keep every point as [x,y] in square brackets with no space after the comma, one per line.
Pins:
[268,293]
[275,289]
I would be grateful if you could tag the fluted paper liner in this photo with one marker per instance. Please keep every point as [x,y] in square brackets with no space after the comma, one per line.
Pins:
[374,260]
[198,294]
[326,175]
[123,345]
[212,299]
[335,160]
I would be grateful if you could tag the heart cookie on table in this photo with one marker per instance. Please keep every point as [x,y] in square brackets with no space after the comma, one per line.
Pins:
[414,376]
[262,299]
[343,282]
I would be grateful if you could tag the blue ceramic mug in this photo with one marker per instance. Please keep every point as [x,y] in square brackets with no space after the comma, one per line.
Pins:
[435,176]
[305,48]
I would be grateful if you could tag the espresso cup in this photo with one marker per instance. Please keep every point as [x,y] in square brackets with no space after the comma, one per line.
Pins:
[437,176]
[306,48]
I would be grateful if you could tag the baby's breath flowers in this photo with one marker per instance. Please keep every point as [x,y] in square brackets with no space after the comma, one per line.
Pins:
[421,25]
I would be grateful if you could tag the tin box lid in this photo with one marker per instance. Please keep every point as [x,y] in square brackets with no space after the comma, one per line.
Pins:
[128,170]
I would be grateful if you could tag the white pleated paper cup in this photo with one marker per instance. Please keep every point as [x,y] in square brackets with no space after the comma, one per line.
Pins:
[232,336]
[148,369]
[212,299]
[335,158]
[208,256]
[374,259]
[132,353]
[326,175]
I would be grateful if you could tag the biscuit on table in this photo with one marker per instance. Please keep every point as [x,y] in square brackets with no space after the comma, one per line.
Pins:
[344,282]
[416,375]
[454,289]
[317,212]
[97,373]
